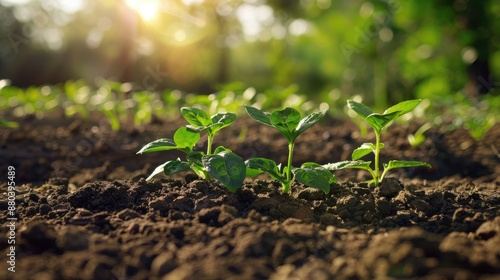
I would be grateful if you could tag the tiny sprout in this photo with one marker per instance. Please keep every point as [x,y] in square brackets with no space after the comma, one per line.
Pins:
[289,122]
[223,165]
[378,122]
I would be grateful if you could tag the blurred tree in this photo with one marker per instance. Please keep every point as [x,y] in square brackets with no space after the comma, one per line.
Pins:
[474,18]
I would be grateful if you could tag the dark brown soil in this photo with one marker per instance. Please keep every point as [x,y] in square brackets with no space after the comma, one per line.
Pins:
[84,210]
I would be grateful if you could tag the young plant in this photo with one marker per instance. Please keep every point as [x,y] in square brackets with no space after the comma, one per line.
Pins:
[8,124]
[200,121]
[222,165]
[418,137]
[378,122]
[288,121]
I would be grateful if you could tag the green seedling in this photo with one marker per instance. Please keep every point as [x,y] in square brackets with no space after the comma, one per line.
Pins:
[378,122]
[222,165]
[479,125]
[200,121]
[9,124]
[416,139]
[289,122]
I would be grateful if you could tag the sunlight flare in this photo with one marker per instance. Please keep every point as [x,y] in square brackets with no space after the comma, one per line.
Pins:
[146,9]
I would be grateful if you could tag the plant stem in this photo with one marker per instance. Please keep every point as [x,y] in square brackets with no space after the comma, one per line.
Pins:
[377,152]
[290,153]
[209,144]
[383,174]
[286,188]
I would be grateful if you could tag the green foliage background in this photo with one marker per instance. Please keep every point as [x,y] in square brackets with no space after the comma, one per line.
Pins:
[288,52]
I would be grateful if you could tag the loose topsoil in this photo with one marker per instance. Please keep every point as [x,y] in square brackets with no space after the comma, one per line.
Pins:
[85,211]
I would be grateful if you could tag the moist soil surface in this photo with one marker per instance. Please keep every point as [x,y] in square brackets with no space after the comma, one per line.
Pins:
[85,211]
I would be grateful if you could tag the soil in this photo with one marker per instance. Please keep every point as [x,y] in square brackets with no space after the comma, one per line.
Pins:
[85,211]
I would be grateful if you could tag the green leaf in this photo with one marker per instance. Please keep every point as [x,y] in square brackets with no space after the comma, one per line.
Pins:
[222,149]
[158,170]
[364,150]
[195,158]
[309,121]
[169,167]
[223,118]
[314,177]
[404,163]
[359,108]
[393,164]
[227,168]
[200,171]
[258,115]
[163,144]
[311,165]
[332,178]
[357,164]
[379,121]
[209,128]
[186,138]
[196,117]
[286,121]
[253,172]
[175,166]
[219,121]
[403,107]
[266,165]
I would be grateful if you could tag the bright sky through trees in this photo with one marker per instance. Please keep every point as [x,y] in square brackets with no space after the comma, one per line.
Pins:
[147,9]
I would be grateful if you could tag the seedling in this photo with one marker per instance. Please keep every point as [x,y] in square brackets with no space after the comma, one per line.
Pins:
[200,121]
[288,121]
[479,125]
[378,122]
[9,124]
[222,165]
[418,137]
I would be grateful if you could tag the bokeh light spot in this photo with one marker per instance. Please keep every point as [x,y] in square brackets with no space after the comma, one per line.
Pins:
[469,55]
[180,35]
[298,27]
[385,34]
